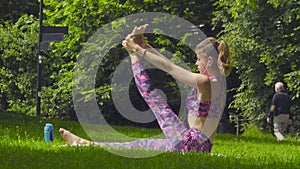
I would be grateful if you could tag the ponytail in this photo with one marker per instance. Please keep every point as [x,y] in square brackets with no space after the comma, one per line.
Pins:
[219,49]
[223,59]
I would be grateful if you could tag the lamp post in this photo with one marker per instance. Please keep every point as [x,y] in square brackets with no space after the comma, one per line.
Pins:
[47,34]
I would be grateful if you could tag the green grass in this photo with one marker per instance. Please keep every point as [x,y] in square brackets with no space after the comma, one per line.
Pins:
[22,146]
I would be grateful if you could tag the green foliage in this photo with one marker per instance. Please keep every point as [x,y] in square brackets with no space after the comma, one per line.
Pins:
[263,38]
[12,10]
[83,23]
[83,18]
[293,83]
[18,52]
[264,42]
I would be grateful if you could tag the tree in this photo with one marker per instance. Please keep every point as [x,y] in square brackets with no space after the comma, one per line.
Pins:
[12,10]
[83,19]
[18,59]
[264,41]
[83,22]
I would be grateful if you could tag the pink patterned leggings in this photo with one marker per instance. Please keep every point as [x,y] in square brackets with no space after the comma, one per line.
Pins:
[178,137]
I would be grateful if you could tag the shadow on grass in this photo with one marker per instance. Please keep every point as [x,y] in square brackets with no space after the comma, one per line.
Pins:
[260,138]
[21,153]
[17,156]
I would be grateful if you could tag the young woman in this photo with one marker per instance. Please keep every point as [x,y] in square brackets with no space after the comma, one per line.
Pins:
[205,102]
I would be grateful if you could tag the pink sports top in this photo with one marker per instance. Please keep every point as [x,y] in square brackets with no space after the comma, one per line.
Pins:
[210,109]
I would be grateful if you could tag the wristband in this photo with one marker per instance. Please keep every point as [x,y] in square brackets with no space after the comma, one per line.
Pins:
[144,53]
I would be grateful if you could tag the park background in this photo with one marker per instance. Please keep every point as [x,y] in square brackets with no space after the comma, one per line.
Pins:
[263,36]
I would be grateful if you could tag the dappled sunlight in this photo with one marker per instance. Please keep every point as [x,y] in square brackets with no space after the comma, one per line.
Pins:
[20,143]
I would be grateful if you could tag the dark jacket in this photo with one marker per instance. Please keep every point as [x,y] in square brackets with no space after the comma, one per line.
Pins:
[283,103]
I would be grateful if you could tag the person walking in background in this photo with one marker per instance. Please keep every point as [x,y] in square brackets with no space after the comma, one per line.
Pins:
[281,110]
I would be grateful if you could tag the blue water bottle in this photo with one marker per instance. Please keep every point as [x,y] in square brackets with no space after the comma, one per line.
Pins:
[48,132]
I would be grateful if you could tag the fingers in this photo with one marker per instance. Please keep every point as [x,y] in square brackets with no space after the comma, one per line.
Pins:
[140,30]
[135,37]
[126,46]
[134,30]
[144,27]
[129,37]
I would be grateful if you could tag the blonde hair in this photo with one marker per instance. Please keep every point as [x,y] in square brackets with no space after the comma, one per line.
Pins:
[210,46]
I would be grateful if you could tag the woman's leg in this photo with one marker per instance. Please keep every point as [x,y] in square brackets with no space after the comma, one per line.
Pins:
[181,138]
[72,139]
[170,124]
[148,144]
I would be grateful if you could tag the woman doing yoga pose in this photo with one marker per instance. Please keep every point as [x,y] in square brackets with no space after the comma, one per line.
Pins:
[205,102]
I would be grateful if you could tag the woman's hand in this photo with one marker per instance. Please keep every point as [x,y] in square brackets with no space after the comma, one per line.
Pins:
[139,30]
[130,44]
[138,33]
[135,41]
[132,48]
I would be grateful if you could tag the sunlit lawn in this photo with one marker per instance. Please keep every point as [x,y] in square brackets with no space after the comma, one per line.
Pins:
[22,146]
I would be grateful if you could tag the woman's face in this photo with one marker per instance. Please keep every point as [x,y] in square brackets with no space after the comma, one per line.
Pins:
[201,63]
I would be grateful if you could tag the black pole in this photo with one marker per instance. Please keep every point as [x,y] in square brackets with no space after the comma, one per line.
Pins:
[39,64]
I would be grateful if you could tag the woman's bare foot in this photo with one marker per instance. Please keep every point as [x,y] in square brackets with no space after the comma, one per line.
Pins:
[72,139]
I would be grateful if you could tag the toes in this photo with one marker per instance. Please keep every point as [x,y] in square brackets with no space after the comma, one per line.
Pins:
[62,131]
